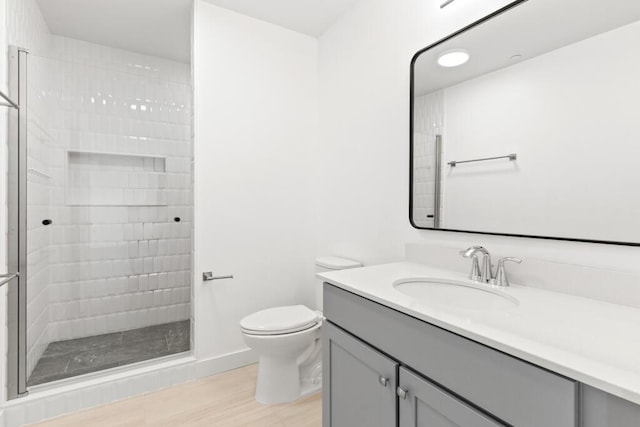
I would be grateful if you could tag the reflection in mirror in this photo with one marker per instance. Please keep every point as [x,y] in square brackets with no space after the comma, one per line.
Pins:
[537,133]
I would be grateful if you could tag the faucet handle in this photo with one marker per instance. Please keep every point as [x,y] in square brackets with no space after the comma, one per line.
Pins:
[501,273]
[472,252]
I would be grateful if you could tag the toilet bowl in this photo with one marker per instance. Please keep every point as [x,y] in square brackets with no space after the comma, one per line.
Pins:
[288,342]
[281,336]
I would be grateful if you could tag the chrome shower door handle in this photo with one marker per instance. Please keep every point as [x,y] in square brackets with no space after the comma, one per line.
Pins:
[7,102]
[8,277]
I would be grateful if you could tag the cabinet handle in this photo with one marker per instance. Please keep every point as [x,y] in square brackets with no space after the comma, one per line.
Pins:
[383,381]
[402,393]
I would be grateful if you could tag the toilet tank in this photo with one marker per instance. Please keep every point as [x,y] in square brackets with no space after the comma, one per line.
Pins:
[330,263]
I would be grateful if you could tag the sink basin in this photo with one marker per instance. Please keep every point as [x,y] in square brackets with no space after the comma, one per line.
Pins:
[455,293]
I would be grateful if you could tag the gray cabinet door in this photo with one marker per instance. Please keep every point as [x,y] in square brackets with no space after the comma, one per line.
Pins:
[422,404]
[600,409]
[359,383]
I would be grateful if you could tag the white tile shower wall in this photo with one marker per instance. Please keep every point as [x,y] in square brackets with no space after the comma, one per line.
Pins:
[428,122]
[102,268]
[39,202]
[27,28]
[120,260]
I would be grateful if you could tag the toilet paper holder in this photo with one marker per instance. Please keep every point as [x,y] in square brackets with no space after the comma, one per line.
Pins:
[208,276]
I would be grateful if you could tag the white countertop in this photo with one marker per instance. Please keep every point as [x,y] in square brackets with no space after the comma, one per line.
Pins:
[591,341]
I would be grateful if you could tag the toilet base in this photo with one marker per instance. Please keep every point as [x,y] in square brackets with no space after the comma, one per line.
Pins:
[289,365]
[278,383]
[308,388]
[283,379]
[278,380]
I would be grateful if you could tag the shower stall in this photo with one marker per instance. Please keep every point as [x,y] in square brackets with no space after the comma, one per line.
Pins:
[100,210]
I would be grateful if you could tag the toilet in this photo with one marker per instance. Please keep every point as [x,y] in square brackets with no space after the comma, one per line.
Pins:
[288,341]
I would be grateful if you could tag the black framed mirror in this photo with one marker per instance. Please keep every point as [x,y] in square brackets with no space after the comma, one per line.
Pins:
[527,124]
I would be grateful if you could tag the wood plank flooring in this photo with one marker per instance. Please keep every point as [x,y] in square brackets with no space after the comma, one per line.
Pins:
[224,400]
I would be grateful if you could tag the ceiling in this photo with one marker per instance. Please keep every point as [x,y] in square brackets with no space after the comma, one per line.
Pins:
[152,27]
[163,27]
[310,17]
[534,28]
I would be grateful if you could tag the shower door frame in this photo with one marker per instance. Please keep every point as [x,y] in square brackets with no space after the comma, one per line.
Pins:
[17,225]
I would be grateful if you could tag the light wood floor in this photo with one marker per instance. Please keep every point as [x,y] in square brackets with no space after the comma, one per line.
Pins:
[223,400]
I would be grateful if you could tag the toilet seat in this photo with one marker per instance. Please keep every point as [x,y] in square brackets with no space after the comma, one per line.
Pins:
[280,320]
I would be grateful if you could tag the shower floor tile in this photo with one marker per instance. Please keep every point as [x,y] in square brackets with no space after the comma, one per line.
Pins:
[65,359]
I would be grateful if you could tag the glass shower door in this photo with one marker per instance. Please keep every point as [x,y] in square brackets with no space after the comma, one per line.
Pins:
[108,214]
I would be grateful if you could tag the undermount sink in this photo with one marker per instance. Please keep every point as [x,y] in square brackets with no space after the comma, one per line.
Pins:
[455,293]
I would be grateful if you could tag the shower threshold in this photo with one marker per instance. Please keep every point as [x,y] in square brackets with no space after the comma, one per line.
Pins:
[70,358]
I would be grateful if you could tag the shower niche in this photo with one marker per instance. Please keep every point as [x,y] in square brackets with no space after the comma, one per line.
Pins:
[107,179]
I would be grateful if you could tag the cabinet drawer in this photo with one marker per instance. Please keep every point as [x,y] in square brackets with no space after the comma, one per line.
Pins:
[514,391]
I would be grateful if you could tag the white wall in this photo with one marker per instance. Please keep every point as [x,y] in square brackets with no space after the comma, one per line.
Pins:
[364,111]
[255,127]
[364,114]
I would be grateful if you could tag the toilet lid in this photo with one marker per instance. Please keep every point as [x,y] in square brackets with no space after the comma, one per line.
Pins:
[280,320]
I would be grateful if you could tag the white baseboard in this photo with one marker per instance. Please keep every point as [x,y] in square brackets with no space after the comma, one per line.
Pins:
[216,365]
[50,402]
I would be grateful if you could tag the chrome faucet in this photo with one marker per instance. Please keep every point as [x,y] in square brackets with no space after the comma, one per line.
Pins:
[478,274]
[471,252]
[501,273]
[484,274]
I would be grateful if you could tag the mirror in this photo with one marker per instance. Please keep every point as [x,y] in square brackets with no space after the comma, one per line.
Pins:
[537,134]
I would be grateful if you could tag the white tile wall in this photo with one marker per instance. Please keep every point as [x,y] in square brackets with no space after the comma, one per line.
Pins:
[114,258]
[122,170]
[27,28]
[106,179]
[428,121]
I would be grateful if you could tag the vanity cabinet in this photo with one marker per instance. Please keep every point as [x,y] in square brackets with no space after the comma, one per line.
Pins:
[385,368]
[447,377]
